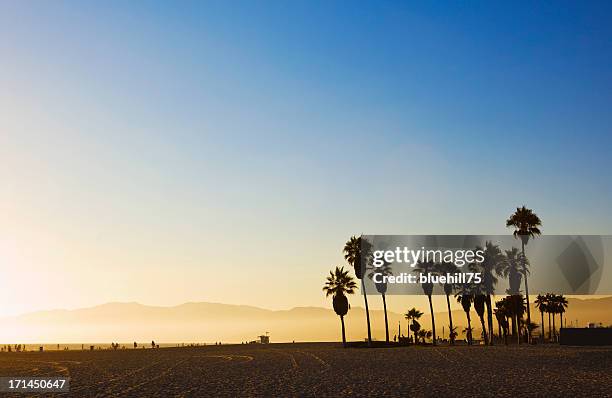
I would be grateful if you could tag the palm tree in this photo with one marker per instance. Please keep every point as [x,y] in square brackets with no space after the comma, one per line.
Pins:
[516,306]
[444,269]
[513,267]
[413,314]
[554,311]
[541,303]
[465,297]
[339,283]
[526,224]
[384,270]
[562,303]
[354,251]
[479,306]
[428,267]
[492,265]
[557,305]
[550,306]
[502,313]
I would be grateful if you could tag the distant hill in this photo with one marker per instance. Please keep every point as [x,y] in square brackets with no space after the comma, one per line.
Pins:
[209,322]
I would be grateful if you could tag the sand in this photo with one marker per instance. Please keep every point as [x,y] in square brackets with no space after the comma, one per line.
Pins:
[324,370]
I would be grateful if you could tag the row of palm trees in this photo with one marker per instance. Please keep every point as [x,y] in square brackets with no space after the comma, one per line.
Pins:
[551,304]
[512,264]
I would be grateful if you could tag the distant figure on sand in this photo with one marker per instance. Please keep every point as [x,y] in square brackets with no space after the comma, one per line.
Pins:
[152,343]
[135,345]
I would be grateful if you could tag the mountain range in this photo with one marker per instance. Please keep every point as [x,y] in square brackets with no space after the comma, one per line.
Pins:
[211,322]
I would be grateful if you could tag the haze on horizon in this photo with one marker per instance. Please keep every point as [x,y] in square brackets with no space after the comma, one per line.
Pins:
[167,153]
[211,322]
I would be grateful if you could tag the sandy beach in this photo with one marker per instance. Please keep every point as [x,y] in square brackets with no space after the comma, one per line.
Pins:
[322,369]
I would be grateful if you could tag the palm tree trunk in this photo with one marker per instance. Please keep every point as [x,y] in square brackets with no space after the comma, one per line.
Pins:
[490,318]
[484,329]
[386,320]
[469,334]
[408,332]
[343,331]
[517,325]
[561,324]
[554,328]
[549,328]
[542,334]
[367,308]
[526,294]
[433,321]
[506,331]
[450,320]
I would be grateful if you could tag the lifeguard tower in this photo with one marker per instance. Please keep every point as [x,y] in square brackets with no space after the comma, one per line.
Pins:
[264,338]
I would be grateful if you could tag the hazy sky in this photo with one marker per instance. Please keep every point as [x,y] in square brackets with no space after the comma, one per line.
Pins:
[170,152]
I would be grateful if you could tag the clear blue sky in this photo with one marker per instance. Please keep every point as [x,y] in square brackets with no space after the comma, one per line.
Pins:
[181,138]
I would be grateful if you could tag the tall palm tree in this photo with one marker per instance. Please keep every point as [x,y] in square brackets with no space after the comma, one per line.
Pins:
[516,305]
[443,269]
[562,303]
[502,313]
[413,315]
[493,264]
[428,267]
[465,296]
[513,267]
[339,283]
[479,306]
[526,224]
[550,306]
[554,310]
[557,305]
[354,251]
[540,303]
[384,270]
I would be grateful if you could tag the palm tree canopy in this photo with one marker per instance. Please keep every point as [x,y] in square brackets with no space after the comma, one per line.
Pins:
[339,282]
[444,268]
[541,303]
[413,314]
[351,253]
[479,304]
[384,270]
[562,303]
[465,297]
[493,264]
[525,222]
[514,267]
[354,251]
[556,304]
[340,304]
[427,267]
